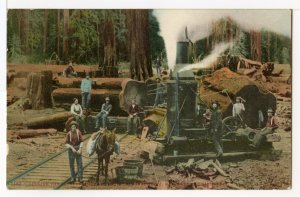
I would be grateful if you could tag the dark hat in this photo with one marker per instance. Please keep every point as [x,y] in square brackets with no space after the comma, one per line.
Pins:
[74,123]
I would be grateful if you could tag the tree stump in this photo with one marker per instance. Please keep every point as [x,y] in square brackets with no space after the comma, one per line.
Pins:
[39,89]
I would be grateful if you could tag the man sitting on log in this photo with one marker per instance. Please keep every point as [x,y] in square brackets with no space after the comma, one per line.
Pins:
[77,112]
[133,118]
[103,114]
[270,128]
[86,88]
[238,109]
[74,143]
[70,72]
[216,128]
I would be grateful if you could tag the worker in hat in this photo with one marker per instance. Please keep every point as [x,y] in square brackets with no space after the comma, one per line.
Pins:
[103,114]
[216,128]
[271,126]
[86,89]
[159,97]
[74,143]
[133,118]
[238,109]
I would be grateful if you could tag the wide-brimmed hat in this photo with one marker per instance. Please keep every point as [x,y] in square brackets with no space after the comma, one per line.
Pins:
[107,99]
[74,123]
[270,111]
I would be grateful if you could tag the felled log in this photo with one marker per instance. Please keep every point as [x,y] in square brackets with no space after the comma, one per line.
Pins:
[66,95]
[39,88]
[132,89]
[223,80]
[28,133]
[23,70]
[101,83]
[44,121]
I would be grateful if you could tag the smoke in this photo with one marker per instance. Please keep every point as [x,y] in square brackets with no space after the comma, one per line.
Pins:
[210,59]
[173,22]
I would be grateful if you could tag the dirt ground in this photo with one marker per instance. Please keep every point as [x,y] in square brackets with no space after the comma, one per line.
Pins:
[246,174]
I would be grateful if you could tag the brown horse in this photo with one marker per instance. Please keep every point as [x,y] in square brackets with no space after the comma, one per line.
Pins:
[104,149]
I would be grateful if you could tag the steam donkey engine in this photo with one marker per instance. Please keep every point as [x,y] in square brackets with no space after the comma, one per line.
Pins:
[187,135]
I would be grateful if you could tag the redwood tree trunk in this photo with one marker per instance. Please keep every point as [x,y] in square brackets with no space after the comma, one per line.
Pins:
[66,35]
[58,33]
[22,29]
[139,50]
[110,55]
[45,31]
[255,40]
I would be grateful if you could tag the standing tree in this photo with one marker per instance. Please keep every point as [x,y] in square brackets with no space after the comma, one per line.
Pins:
[139,50]
[66,35]
[45,31]
[109,39]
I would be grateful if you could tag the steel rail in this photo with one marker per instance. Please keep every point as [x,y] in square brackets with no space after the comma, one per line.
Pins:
[84,167]
[26,172]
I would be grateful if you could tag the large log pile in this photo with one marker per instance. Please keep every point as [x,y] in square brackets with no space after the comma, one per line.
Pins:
[224,85]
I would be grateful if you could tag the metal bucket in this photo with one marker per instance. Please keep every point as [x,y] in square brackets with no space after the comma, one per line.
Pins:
[126,174]
[135,163]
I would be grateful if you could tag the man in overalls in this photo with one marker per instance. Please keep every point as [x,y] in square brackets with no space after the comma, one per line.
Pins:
[74,143]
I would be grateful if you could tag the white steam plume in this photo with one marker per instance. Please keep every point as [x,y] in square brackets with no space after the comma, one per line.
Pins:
[198,22]
[210,59]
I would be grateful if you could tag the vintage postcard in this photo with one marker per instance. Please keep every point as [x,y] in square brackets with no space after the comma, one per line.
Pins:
[149,99]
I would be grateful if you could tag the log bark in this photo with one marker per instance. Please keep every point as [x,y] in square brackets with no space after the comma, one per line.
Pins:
[43,121]
[101,83]
[132,89]
[257,98]
[66,95]
[39,88]
[28,133]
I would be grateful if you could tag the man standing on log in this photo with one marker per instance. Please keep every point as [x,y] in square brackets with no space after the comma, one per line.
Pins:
[238,109]
[271,126]
[216,128]
[133,118]
[103,114]
[86,88]
[74,143]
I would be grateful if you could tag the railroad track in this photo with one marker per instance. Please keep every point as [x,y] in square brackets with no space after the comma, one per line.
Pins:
[54,172]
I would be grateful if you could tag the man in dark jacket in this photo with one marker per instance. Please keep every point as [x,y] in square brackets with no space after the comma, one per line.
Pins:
[133,118]
[216,128]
